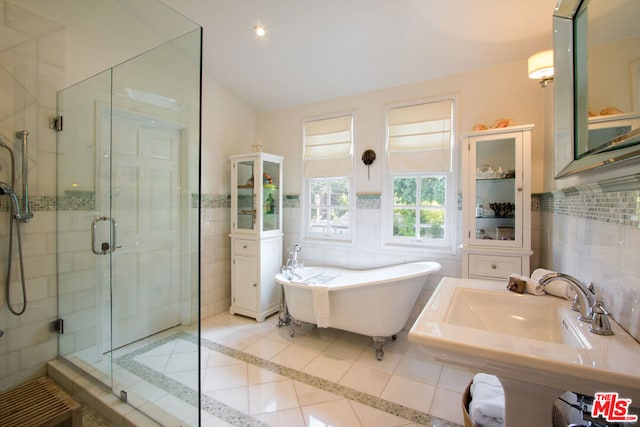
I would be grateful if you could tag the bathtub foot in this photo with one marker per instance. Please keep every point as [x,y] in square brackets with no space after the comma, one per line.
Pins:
[283,319]
[294,324]
[394,337]
[379,342]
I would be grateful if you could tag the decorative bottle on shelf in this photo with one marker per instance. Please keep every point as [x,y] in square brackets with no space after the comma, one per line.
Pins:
[269,205]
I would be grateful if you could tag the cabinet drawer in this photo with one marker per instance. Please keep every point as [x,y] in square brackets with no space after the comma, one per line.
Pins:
[494,266]
[246,247]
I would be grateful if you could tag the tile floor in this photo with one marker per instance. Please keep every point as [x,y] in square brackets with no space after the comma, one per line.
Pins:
[324,377]
[256,374]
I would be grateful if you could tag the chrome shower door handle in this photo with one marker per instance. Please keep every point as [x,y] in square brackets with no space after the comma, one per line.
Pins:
[105,247]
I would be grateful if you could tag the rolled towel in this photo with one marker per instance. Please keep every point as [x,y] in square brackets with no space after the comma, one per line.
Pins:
[487,402]
[558,288]
[321,307]
[530,286]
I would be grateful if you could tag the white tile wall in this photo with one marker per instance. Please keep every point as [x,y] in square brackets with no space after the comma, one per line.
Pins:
[31,72]
[599,252]
[215,264]
[592,232]
[27,343]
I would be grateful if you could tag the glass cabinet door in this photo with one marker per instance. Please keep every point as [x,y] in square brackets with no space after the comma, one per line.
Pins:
[497,191]
[246,199]
[270,196]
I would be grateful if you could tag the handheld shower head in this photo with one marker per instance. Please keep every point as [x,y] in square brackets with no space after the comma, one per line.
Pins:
[6,190]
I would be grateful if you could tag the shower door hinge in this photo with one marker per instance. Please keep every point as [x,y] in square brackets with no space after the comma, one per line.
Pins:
[55,123]
[57,326]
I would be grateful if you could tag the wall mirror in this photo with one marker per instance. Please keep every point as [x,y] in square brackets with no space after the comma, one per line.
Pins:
[597,84]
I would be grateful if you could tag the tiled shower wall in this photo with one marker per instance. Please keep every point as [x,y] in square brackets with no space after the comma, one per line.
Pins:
[31,71]
[593,233]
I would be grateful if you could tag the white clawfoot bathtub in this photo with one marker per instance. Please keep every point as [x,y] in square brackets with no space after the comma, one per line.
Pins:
[375,302]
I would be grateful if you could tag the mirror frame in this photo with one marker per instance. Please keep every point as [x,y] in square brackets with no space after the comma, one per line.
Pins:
[566,126]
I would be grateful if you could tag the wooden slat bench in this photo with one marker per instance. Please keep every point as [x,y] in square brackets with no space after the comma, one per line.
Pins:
[40,402]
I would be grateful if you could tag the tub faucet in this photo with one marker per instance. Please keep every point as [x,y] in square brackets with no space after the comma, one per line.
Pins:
[590,310]
[292,266]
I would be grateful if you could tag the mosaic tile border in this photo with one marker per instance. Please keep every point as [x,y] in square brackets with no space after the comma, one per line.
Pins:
[85,201]
[74,202]
[368,201]
[615,201]
[291,201]
[235,417]
[211,200]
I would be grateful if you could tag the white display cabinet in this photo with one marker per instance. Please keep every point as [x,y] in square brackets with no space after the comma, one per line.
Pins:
[496,193]
[256,234]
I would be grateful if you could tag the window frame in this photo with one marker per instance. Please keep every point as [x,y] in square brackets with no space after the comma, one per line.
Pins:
[448,244]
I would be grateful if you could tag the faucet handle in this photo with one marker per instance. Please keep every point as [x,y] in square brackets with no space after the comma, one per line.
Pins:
[600,324]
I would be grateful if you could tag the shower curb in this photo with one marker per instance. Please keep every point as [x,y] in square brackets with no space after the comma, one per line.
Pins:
[96,396]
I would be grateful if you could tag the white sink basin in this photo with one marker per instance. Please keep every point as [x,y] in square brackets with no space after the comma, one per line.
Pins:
[522,316]
[534,344]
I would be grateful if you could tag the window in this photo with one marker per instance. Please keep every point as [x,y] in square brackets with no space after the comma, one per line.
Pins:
[329,206]
[419,207]
[421,210]
[328,166]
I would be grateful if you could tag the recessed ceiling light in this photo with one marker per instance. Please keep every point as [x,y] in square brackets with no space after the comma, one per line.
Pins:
[260,30]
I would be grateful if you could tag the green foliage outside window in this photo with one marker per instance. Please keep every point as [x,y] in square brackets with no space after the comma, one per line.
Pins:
[423,216]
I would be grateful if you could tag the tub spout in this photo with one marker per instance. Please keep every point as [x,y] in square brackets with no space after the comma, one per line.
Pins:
[292,266]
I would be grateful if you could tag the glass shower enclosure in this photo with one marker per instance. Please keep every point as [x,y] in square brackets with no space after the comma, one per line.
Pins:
[128,156]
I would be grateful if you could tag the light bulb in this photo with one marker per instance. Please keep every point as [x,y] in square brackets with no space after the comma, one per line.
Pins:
[260,30]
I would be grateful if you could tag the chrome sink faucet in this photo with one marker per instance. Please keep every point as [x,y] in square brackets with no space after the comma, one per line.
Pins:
[590,310]
[292,266]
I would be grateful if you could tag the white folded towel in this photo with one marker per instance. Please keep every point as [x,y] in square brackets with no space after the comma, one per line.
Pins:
[532,286]
[487,401]
[321,309]
[558,288]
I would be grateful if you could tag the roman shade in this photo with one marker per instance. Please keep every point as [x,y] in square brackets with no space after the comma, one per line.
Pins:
[328,147]
[419,137]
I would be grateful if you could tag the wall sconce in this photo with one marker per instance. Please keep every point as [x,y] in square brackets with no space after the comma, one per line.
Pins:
[541,67]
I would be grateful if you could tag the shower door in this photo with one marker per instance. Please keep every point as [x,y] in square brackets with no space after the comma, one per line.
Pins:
[127,230]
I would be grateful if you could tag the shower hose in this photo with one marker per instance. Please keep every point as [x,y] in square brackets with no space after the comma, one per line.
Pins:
[9,257]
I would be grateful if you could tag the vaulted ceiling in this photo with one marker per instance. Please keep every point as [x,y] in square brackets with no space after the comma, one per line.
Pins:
[316,50]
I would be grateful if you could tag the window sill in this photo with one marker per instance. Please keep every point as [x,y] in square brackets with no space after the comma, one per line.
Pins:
[430,249]
[327,241]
